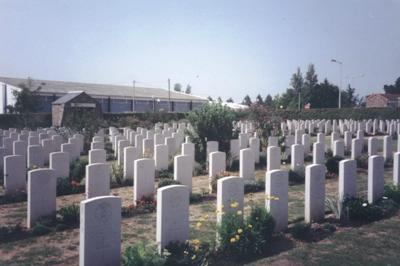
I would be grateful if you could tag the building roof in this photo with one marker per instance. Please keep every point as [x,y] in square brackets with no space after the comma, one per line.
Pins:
[390,97]
[68,97]
[99,90]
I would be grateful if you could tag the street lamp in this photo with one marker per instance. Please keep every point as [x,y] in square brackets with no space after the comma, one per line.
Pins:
[340,83]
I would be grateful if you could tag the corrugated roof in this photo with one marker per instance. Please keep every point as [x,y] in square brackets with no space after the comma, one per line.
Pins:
[100,90]
[67,97]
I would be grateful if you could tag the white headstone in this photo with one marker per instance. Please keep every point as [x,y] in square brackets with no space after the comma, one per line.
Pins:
[276,190]
[59,162]
[97,180]
[314,193]
[143,179]
[375,178]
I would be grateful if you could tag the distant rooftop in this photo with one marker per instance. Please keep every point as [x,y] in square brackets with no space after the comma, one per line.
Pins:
[99,90]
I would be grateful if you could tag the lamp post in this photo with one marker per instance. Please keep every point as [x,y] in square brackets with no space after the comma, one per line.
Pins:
[340,82]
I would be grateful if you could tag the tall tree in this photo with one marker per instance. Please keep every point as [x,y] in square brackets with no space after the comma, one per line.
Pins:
[297,83]
[229,100]
[210,99]
[269,102]
[259,99]
[219,99]
[247,100]
[311,79]
[393,89]
[188,89]
[177,87]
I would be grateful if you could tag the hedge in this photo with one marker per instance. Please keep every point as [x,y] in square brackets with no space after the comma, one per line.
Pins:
[334,113]
[18,121]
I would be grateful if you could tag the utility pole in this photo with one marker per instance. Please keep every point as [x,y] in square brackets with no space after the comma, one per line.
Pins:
[133,99]
[169,94]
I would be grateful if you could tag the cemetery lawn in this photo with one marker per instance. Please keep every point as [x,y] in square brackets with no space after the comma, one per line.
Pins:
[376,243]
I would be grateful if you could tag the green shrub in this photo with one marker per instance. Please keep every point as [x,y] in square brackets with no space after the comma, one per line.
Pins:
[296,177]
[308,158]
[393,193]
[301,231]
[166,182]
[212,122]
[362,161]
[165,174]
[328,153]
[78,168]
[7,232]
[40,229]
[332,164]
[252,186]
[359,210]
[239,238]
[195,197]
[69,215]
[142,255]
[65,186]
[117,173]
[188,253]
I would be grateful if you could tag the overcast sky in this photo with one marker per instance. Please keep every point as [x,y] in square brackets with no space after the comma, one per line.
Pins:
[222,48]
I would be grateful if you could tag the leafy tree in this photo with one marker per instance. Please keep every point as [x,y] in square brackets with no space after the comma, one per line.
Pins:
[310,81]
[247,100]
[177,87]
[269,102]
[212,122]
[229,100]
[297,83]
[219,99]
[324,95]
[26,101]
[210,99]
[393,89]
[188,89]
[259,99]
[349,98]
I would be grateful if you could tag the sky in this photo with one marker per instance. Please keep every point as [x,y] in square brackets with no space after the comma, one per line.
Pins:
[221,48]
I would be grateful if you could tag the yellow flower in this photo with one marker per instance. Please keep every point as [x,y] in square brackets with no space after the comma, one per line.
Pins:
[196,242]
[206,216]
[233,240]
[250,226]
[239,213]
[234,205]
[237,237]
[194,257]
[198,225]
[240,231]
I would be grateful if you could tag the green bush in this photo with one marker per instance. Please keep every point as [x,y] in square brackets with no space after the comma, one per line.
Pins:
[166,182]
[252,186]
[117,173]
[165,174]
[362,161]
[7,232]
[301,231]
[238,238]
[332,164]
[69,215]
[393,193]
[195,197]
[142,255]
[77,169]
[65,186]
[359,210]
[296,177]
[212,122]
[188,253]
[40,229]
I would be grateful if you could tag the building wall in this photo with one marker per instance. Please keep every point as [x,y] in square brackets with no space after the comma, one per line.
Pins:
[6,96]
[376,101]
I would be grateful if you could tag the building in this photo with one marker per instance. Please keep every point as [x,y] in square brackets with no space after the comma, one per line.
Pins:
[112,98]
[74,102]
[383,100]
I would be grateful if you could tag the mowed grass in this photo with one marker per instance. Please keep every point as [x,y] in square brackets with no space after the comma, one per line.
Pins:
[62,248]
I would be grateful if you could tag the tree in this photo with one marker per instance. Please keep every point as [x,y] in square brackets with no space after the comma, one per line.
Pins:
[210,99]
[324,95]
[393,89]
[310,81]
[188,89]
[229,100]
[247,100]
[297,83]
[177,87]
[349,98]
[259,99]
[219,99]
[269,102]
